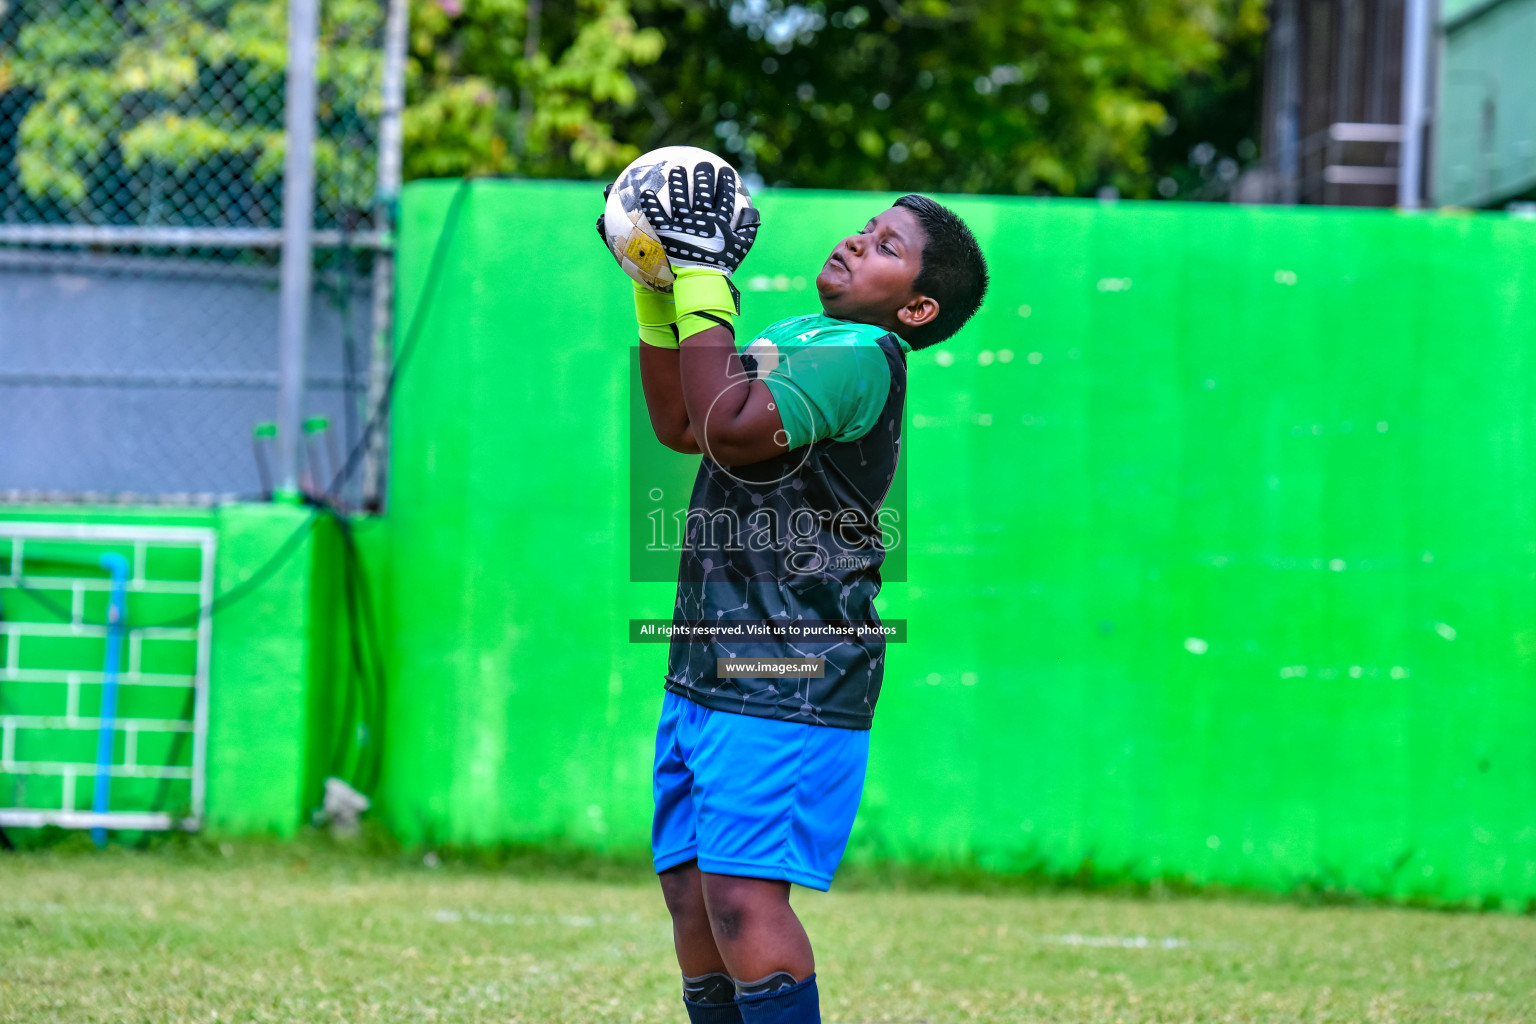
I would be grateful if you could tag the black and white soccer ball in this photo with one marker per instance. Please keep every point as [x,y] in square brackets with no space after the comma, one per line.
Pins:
[629,234]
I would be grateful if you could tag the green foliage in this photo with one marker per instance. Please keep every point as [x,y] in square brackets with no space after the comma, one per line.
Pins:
[520,87]
[171,111]
[1211,134]
[1003,96]
[1006,96]
[160,111]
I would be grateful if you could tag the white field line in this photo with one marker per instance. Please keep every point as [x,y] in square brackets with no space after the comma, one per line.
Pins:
[569,920]
[1113,941]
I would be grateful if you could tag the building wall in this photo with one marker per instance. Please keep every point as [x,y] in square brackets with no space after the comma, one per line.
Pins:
[1486,151]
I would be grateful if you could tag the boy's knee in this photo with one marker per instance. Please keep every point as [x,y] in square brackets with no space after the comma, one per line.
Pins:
[734,901]
[680,889]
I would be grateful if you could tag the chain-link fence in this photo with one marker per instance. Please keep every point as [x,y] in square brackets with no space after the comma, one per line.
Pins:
[142,161]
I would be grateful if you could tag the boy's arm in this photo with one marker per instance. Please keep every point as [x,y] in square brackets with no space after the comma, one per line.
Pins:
[659,379]
[732,418]
[656,316]
[662,382]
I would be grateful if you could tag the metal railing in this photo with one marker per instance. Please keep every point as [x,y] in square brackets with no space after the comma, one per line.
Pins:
[1325,160]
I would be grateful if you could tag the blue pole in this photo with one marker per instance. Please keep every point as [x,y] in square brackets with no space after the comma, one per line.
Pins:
[117,614]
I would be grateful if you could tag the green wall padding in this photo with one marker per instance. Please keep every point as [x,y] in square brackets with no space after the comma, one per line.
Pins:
[278,662]
[1221,544]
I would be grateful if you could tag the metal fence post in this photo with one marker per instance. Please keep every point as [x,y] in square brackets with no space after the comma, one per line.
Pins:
[1287,73]
[1416,18]
[298,229]
[386,203]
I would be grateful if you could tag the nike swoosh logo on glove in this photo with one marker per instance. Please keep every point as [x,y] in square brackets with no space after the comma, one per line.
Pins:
[713,242]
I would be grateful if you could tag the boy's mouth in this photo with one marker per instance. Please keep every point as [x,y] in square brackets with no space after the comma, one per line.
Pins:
[837,260]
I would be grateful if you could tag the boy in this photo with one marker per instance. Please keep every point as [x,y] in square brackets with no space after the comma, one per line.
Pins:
[757,779]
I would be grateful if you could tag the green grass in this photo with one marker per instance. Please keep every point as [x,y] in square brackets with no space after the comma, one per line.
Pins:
[308,933]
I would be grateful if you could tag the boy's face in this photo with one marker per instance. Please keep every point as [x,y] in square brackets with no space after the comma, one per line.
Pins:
[868,278]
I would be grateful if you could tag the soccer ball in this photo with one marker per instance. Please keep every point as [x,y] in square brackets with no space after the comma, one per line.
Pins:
[629,235]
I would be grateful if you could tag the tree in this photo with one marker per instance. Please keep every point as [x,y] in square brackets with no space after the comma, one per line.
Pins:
[515,87]
[1011,96]
[1213,126]
[171,111]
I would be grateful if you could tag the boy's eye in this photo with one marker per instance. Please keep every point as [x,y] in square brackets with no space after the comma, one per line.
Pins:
[887,249]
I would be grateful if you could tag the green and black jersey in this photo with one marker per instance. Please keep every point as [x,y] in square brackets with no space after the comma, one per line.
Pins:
[798,536]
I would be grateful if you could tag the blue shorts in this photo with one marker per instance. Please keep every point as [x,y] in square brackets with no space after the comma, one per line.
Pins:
[754,796]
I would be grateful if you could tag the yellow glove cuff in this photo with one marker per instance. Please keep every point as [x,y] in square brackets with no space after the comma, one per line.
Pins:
[704,299]
[656,313]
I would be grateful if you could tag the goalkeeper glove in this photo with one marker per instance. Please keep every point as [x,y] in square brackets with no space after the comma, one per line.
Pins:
[699,232]
[703,244]
[655,312]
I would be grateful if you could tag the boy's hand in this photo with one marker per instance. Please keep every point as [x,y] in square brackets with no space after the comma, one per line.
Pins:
[655,312]
[699,233]
[602,231]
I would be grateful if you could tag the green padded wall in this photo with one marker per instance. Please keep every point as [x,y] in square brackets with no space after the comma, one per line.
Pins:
[276,672]
[54,641]
[1221,544]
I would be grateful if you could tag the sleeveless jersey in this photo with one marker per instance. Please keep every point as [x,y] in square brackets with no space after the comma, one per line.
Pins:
[798,536]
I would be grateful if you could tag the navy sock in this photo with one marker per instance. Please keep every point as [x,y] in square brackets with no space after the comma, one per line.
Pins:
[797,1004]
[711,999]
[712,1013]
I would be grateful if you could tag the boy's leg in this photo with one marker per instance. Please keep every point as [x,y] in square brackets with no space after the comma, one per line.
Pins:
[766,947]
[709,992]
[755,931]
[776,803]
[684,892]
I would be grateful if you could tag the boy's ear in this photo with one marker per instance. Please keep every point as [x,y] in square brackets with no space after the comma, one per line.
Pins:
[921,310]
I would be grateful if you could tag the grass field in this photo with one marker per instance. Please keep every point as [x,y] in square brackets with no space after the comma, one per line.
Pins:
[204,932]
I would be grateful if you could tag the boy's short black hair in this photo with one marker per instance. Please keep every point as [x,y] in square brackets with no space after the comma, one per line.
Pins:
[954,272]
